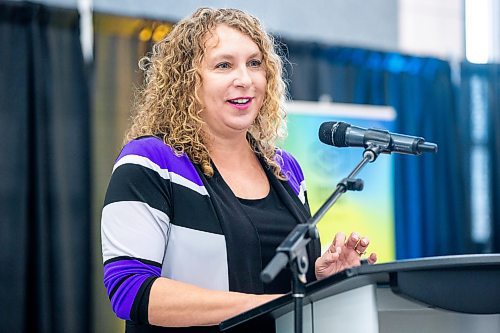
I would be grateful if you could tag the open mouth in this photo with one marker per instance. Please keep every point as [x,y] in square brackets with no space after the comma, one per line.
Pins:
[239,101]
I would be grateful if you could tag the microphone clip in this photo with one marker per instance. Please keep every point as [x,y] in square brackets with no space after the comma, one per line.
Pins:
[352,184]
[374,149]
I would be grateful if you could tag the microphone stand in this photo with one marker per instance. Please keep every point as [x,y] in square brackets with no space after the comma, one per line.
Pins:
[292,250]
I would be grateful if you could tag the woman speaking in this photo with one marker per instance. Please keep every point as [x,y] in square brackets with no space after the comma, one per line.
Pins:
[200,195]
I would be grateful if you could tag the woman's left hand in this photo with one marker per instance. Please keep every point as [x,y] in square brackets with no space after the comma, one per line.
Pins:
[342,254]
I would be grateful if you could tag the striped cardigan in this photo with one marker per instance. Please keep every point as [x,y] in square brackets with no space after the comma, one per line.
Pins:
[163,217]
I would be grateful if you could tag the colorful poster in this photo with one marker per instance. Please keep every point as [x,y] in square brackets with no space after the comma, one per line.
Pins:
[370,212]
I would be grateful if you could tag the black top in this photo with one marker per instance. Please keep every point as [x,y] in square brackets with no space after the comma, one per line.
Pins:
[273,221]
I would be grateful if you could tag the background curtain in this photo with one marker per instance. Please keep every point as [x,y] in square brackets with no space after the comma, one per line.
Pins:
[493,80]
[44,192]
[430,203]
[480,116]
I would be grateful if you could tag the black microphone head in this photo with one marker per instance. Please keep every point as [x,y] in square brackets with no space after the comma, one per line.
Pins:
[333,133]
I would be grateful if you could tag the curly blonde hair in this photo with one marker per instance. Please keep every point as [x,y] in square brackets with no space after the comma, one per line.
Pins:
[168,104]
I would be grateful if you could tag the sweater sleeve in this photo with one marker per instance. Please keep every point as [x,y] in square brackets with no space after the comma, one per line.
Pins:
[135,227]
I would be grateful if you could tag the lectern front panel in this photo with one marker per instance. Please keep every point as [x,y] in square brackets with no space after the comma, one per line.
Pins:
[353,311]
[285,323]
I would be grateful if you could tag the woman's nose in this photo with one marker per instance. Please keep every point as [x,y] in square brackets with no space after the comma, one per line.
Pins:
[243,77]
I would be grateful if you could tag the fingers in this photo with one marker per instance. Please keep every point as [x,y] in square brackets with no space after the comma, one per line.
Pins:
[342,254]
[352,241]
[332,254]
[362,245]
[372,258]
[339,240]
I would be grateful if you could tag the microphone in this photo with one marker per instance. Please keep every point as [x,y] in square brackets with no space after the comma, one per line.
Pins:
[340,134]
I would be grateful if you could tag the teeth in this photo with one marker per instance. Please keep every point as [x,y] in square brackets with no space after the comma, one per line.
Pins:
[240,100]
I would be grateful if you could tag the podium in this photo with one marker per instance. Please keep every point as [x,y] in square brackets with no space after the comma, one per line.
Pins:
[437,294]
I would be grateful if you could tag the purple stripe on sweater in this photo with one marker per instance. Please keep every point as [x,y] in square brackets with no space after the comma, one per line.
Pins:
[291,169]
[159,153]
[133,273]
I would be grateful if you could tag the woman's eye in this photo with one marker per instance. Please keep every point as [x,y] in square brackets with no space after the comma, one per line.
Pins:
[222,65]
[255,63]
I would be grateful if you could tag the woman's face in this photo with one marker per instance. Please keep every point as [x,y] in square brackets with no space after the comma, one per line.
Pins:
[233,82]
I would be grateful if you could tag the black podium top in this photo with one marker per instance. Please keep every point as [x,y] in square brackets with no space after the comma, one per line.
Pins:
[465,283]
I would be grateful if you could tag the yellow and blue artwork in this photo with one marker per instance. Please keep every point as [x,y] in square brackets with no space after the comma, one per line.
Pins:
[370,212]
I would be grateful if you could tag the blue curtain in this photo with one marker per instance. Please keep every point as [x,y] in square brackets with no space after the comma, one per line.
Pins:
[430,202]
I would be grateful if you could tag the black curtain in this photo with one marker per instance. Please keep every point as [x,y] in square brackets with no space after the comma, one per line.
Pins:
[431,207]
[44,171]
